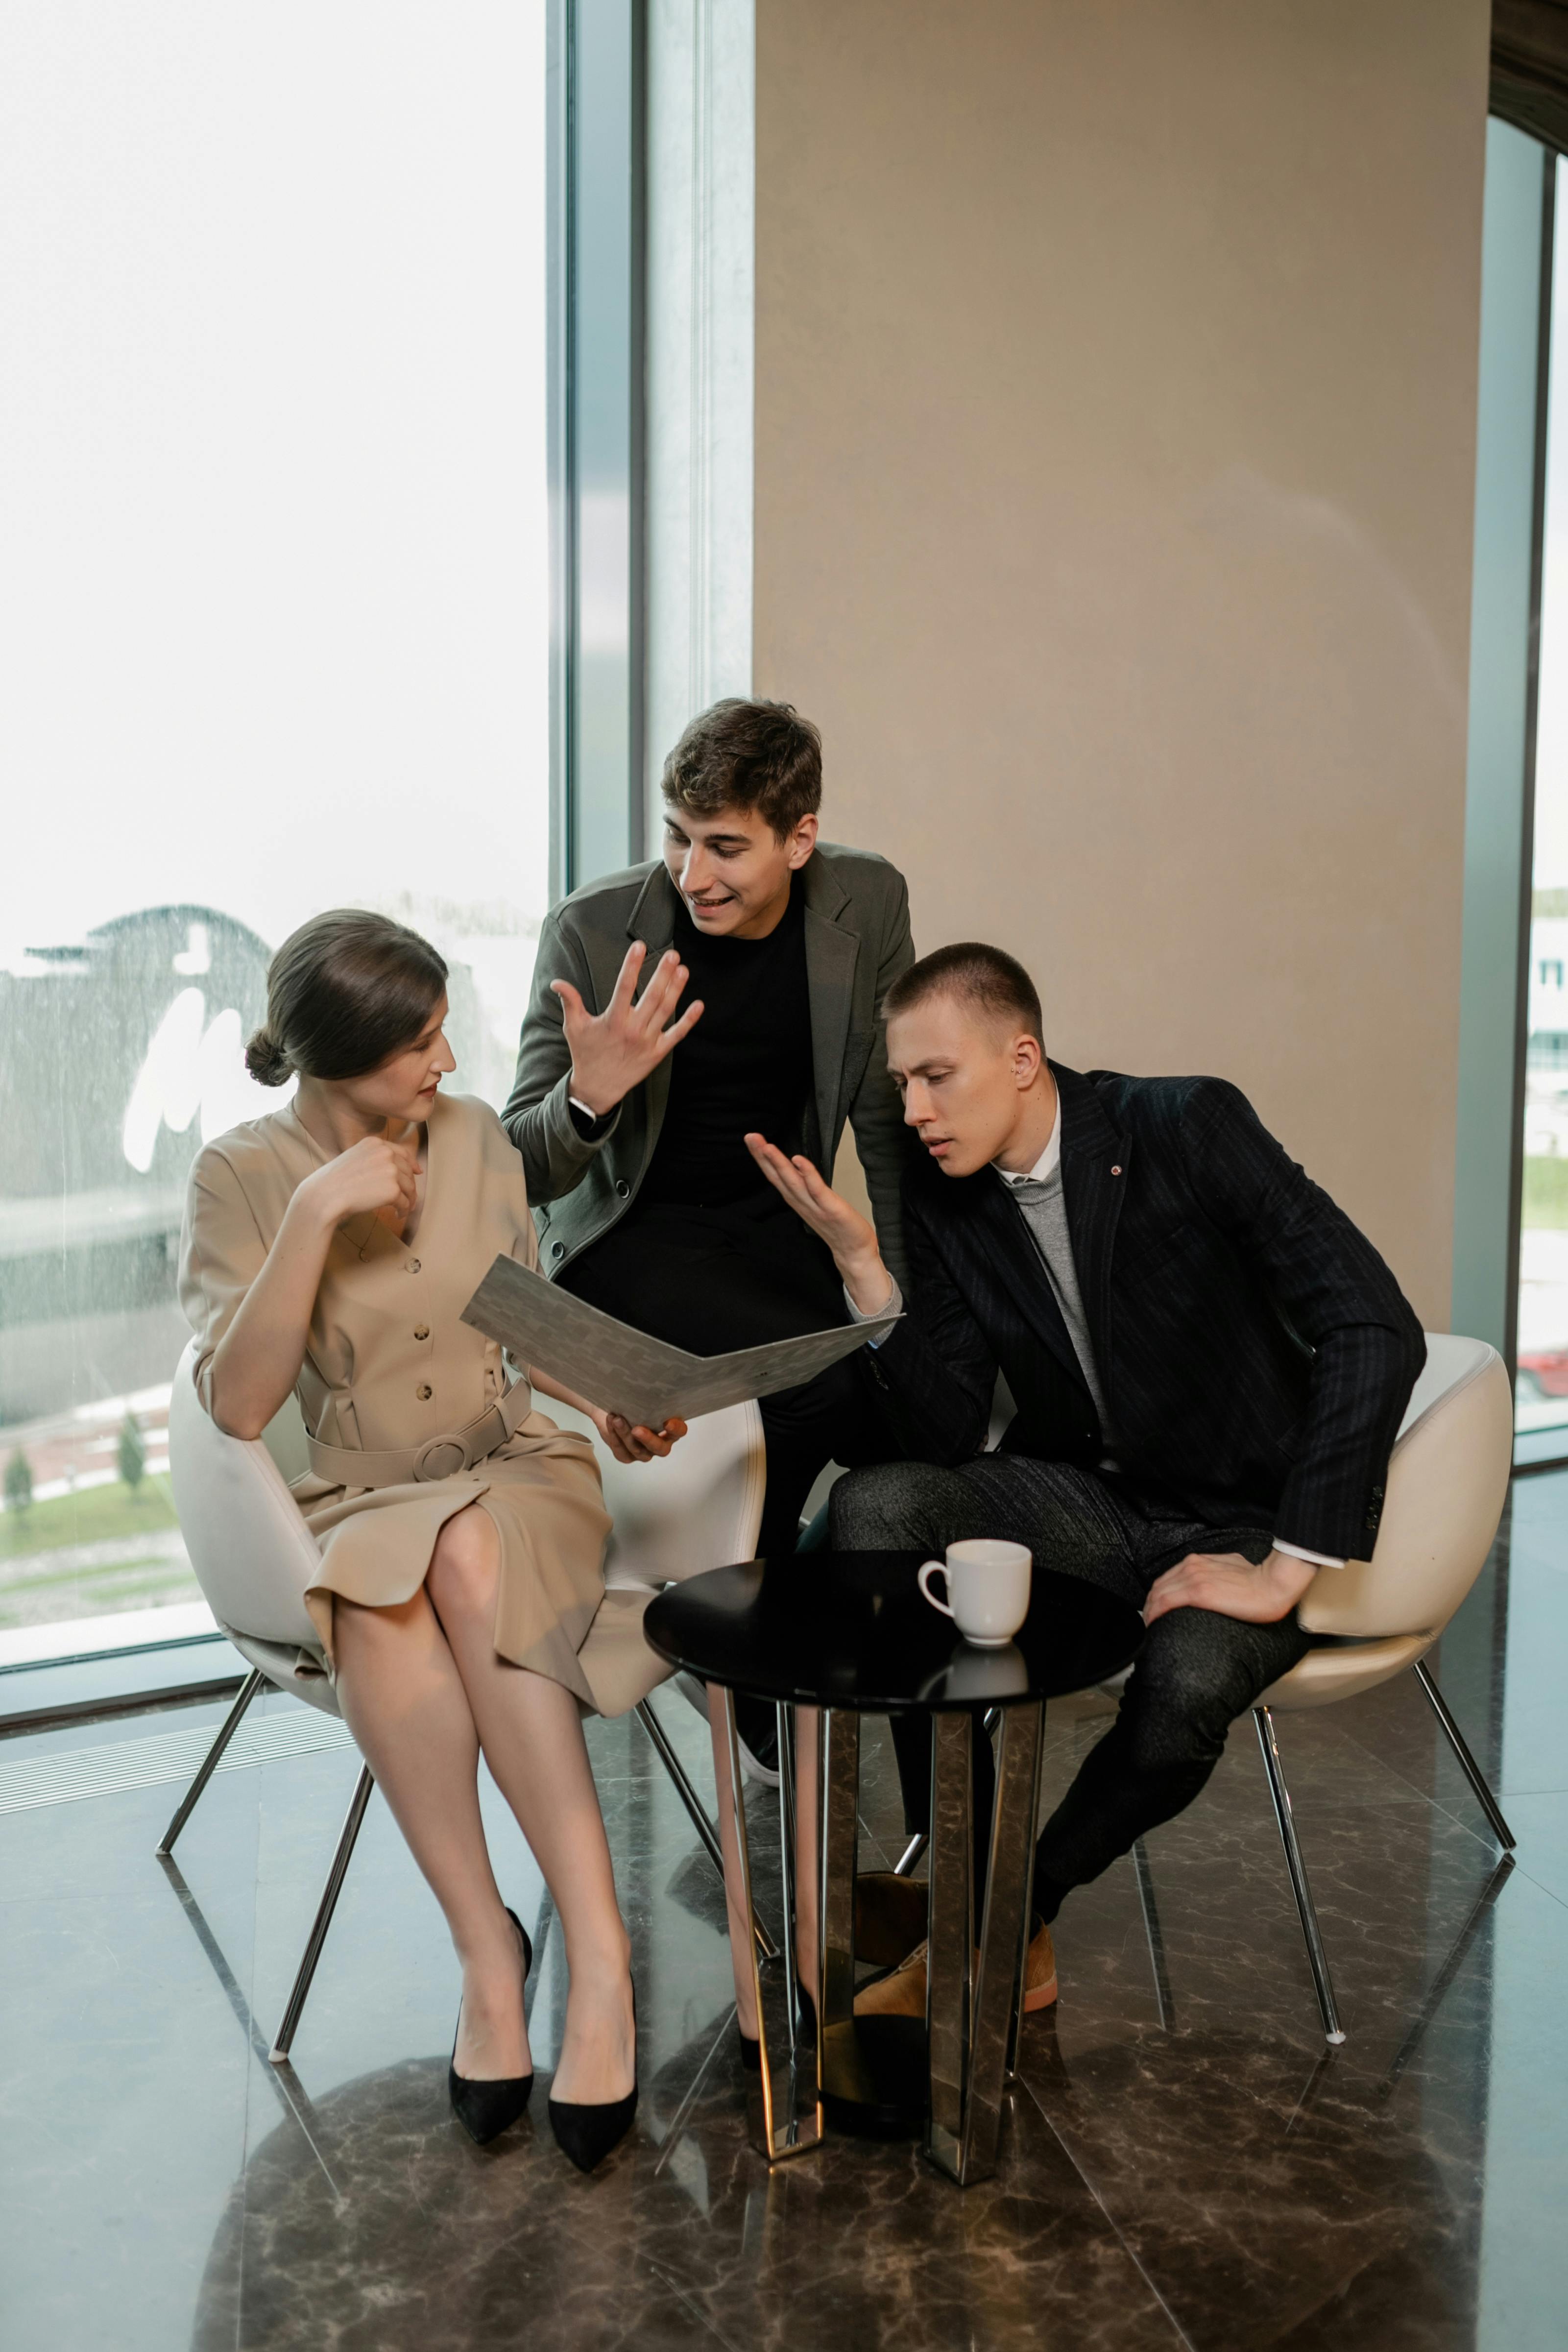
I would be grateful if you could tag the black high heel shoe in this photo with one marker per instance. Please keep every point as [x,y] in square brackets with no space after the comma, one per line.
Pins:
[485,2109]
[587,2131]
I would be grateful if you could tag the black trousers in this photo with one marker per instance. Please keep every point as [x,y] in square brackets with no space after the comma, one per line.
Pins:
[736,1276]
[1195,1674]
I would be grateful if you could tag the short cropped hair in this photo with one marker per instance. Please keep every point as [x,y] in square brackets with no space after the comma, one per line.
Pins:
[747,755]
[987,977]
[344,993]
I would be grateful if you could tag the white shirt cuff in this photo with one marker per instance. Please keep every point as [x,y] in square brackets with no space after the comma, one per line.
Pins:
[894,1307]
[1298,1551]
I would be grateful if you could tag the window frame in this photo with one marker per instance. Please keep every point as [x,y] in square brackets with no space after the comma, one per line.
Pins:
[596,84]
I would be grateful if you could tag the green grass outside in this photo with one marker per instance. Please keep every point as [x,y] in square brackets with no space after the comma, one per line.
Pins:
[96,1592]
[95,1516]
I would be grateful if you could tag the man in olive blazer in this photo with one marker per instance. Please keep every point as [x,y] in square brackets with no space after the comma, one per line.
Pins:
[857,944]
[633,1139]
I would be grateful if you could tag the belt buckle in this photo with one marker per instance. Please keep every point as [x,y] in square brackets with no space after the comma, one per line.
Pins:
[428,1463]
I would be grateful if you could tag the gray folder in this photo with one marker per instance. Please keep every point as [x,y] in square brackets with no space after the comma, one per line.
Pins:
[627,1371]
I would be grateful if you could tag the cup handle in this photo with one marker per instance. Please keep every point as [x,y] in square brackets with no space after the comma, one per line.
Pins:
[933,1568]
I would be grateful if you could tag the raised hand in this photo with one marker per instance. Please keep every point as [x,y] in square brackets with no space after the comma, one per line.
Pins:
[850,1236]
[615,1050]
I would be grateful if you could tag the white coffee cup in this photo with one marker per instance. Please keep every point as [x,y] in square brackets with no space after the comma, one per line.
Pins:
[988,1589]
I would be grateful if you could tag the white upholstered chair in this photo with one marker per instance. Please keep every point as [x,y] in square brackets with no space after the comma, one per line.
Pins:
[1447,1481]
[254,1557]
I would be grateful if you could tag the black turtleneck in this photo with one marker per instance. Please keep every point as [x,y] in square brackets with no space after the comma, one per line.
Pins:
[746,1067]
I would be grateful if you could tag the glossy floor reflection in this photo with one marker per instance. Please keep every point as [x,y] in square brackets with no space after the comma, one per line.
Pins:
[1183,2164]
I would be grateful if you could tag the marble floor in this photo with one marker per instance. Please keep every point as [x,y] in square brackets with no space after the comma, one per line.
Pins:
[1183,2163]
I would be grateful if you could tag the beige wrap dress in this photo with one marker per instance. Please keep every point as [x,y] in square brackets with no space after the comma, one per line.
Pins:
[389,1367]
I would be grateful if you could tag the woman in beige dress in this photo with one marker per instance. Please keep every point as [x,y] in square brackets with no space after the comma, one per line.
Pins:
[330,1249]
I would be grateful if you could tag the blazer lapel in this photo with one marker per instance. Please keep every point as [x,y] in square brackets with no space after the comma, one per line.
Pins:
[652,921]
[1011,1246]
[652,918]
[1095,1159]
[831,952]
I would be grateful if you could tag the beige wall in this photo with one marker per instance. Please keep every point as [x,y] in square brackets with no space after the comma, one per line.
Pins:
[1115,411]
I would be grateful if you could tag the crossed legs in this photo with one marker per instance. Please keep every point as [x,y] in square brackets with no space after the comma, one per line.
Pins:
[1197,1670]
[424,1693]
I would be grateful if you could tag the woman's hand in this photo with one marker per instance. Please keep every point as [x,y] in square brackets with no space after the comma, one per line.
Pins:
[850,1236]
[374,1176]
[615,1050]
[637,1442]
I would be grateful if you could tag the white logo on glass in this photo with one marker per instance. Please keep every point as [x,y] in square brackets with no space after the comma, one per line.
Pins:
[192,1067]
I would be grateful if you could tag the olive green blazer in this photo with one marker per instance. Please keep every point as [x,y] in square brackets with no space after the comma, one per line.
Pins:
[857,944]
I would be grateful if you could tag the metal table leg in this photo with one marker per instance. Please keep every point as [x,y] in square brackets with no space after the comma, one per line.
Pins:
[950,1949]
[969,2069]
[874,2069]
[781,2128]
[786,1720]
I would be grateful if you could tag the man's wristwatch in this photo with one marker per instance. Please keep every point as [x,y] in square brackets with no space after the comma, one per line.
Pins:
[589,1124]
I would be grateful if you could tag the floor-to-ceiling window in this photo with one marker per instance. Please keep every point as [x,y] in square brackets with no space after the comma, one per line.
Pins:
[274,637]
[1542,1344]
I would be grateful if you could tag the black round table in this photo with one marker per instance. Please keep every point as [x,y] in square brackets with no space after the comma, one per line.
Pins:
[850,1633]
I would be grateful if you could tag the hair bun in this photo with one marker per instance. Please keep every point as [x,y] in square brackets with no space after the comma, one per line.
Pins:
[266,1060]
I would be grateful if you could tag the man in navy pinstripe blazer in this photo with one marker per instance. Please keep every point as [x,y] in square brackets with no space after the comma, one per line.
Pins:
[1209,1363]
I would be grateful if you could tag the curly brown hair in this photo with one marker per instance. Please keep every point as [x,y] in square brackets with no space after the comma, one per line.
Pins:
[747,755]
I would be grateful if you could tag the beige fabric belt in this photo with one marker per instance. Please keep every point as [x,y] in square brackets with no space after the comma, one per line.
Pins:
[438,1457]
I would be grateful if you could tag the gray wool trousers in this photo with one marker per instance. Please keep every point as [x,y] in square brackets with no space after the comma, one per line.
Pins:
[1195,1674]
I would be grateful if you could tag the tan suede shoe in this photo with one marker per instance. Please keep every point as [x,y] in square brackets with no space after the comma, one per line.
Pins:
[903,1994]
[890,1916]
[900,1994]
[1039,1973]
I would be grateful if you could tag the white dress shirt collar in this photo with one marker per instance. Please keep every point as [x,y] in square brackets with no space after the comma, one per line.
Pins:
[1046,1165]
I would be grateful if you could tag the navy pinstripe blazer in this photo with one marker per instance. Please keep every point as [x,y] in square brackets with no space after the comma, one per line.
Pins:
[1255,1352]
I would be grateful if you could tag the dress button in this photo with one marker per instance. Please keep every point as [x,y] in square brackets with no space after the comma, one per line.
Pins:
[622,1186]
[413,1265]
[422,1330]
[424,1391]
[558,1249]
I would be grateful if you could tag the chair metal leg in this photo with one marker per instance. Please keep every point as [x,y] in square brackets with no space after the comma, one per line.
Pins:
[909,1860]
[784,2125]
[1472,1770]
[912,1852]
[1156,1941]
[1501,1872]
[278,2053]
[1299,1886]
[693,1805]
[231,1724]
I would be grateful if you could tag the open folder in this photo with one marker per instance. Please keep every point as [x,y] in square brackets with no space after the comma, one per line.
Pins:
[627,1371]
